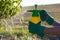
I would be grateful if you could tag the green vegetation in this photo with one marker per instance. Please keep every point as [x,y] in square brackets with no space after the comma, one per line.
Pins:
[9,8]
[16,32]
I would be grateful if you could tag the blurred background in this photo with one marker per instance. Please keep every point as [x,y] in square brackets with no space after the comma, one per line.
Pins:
[14,17]
[16,28]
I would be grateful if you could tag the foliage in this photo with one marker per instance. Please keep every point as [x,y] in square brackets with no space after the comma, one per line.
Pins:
[16,32]
[9,8]
[5,33]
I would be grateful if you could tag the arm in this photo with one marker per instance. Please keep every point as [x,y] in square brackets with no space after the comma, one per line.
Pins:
[56,24]
[49,19]
[29,10]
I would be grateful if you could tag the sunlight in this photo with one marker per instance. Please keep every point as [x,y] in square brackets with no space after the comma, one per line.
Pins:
[39,2]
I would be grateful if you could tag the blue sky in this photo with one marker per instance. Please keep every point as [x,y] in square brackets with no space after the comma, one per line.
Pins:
[38,2]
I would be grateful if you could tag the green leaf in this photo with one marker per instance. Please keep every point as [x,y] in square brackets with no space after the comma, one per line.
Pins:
[7,8]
